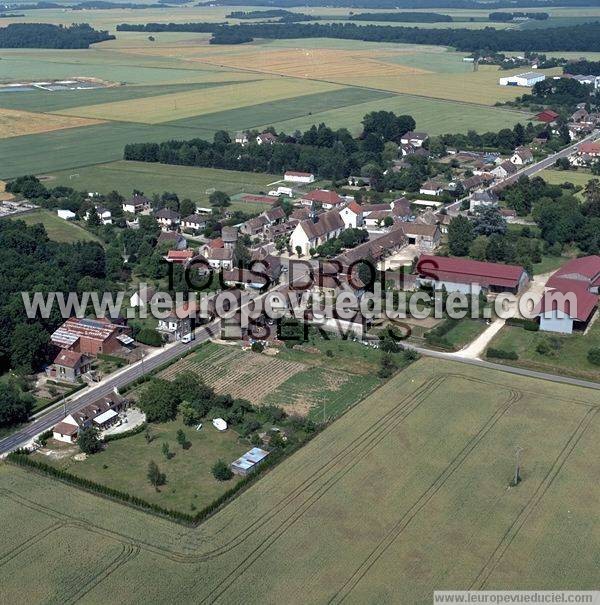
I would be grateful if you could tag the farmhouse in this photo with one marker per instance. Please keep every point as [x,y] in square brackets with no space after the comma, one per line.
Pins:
[136,204]
[483,198]
[142,296]
[299,177]
[168,219]
[249,461]
[179,257]
[254,226]
[194,222]
[425,237]
[174,240]
[469,276]
[266,138]
[90,336]
[104,214]
[317,230]
[327,199]
[591,148]
[527,79]
[416,139]
[522,156]
[377,248]
[431,188]
[241,138]
[69,366]
[505,170]
[571,296]
[220,258]
[102,413]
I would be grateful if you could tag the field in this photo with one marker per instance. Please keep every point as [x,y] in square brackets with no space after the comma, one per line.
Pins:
[14,123]
[156,178]
[570,356]
[301,381]
[57,228]
[577,177]
[406,493]
[179,87]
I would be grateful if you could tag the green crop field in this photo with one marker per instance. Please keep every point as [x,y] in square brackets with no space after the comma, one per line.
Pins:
[406,493]
[187,181]
[57,228]
[301,380]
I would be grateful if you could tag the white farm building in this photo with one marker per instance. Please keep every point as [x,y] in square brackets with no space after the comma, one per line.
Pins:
[527,79]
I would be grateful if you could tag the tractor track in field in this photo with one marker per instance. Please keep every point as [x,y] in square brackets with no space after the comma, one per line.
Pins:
[423,500]
[250,558]
[511,533]
[128,552]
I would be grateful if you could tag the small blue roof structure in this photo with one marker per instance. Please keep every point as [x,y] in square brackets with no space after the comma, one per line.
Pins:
[248,461]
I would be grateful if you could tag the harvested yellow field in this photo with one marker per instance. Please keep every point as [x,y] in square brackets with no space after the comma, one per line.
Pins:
[164,108]
[14,123]
[315,63]
[4,196]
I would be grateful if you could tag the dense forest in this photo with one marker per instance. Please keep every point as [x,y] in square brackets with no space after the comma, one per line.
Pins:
[45,35]
[402,17]
[586,68]
[578,38]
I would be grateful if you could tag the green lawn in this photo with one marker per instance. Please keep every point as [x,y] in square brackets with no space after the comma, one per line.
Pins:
[464,332]
[57,228]
[549,263]
[124,463]
[186,181]
[577,177]
[570,358]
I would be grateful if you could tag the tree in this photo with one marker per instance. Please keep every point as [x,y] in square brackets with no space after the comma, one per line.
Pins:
[29,347]
[189,413]
[181,438]
[154,475]
[88,441]
[478,248]
[93,217]
[488,221]
[219,199]
[594,356]
[460,235]
[159,401]
[187,207]
[220,471]
[165,450]
[299,251]
[14,407]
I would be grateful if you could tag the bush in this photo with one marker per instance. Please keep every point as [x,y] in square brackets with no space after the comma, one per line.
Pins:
[594,356]
[258,347]
[149,336]
[543,347]
[527,324]
[501,354]
[221,472]
[88,441]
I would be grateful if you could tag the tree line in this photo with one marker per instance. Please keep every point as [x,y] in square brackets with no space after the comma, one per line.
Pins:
[581,38]
[402,17]
[46,35]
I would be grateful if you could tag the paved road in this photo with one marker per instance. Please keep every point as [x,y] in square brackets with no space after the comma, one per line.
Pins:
[532,169]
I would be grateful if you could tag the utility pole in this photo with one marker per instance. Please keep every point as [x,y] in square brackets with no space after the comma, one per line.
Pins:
[517,477]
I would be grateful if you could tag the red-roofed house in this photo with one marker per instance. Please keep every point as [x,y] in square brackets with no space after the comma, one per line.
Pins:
[352,216]
[547,116]
[571,296]
[68,366]
[179,257]
[328,199]
[469,276]
[591,148]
